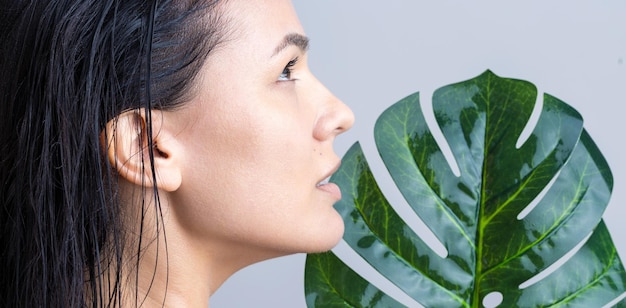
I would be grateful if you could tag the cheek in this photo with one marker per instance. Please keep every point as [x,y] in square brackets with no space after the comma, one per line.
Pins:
[250,178]
[246,168]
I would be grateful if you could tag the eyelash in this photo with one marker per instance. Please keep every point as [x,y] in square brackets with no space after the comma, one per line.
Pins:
[286,74]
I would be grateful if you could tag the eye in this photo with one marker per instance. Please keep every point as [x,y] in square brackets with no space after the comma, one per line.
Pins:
[286,74]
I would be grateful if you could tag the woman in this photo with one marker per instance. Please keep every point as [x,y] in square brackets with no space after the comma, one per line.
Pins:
[119,194]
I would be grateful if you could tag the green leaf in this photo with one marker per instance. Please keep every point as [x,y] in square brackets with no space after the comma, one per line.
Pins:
[512,212]
[332,284]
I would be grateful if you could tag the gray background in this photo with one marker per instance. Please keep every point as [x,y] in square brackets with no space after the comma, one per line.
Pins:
[373,53]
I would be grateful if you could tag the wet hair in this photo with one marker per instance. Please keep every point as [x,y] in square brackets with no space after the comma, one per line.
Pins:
[69,67]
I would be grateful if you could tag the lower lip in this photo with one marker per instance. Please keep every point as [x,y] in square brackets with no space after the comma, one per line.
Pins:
[332,189]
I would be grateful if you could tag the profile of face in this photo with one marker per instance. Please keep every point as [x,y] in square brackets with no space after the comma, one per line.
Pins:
[239,144]
[255,142]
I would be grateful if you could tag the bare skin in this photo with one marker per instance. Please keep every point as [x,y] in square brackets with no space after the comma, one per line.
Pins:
[238,167]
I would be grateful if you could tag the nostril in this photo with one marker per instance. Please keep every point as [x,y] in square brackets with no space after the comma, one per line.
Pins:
[348,120]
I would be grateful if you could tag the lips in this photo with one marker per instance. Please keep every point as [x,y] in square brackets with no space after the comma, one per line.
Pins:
[328,187]
[332,189]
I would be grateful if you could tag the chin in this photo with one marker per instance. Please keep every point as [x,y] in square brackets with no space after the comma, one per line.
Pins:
[329,236]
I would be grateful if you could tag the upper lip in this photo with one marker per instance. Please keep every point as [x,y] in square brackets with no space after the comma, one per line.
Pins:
[330,172]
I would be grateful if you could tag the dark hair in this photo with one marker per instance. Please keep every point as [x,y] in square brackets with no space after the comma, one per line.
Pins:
[68,67]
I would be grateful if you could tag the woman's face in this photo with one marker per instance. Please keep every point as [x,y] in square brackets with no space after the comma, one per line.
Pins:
[258,139]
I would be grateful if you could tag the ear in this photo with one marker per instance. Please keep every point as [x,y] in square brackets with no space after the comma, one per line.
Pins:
[129,153]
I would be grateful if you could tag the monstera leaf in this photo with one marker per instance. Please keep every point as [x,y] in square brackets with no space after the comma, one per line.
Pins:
[514,207]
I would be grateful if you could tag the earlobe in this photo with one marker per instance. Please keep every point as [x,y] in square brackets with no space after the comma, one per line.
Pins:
[129,153]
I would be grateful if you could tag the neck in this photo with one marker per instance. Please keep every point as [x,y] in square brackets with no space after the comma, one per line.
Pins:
[186,273]
[177,267]
[172,274]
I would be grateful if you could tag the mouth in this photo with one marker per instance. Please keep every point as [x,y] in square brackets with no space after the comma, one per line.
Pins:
[330,188]
[323,182]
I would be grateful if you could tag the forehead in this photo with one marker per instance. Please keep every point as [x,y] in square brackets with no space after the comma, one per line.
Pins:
[260,25]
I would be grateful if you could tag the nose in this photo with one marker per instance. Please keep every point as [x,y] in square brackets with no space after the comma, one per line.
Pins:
[334,118]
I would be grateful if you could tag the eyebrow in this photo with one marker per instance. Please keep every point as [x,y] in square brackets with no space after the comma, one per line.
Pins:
[293,39]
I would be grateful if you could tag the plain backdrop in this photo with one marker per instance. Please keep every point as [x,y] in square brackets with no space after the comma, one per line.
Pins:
[373,53]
